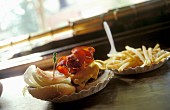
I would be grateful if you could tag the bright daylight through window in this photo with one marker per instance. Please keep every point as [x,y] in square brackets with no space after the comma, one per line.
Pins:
[20,17]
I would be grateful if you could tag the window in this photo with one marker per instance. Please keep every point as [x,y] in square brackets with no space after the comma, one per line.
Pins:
[20,17]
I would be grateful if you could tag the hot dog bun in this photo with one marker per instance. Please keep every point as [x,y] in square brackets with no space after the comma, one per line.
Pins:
[43,86]
[52,91]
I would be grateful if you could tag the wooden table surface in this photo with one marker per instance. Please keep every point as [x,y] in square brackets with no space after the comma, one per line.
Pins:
[147,91]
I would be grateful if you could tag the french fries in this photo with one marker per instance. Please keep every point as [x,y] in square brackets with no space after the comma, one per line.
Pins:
[131,58]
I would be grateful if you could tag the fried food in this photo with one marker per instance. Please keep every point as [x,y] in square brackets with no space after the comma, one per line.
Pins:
[131,57]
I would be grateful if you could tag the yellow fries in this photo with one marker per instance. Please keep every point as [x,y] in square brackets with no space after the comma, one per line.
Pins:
[136,52]
[131,57]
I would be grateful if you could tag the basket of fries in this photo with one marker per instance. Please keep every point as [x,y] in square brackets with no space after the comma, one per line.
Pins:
[139,60]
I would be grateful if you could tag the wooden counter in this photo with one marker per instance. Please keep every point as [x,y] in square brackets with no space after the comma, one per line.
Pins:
[147,91]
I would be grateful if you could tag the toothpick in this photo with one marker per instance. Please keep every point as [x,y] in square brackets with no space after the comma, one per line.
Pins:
[54,65]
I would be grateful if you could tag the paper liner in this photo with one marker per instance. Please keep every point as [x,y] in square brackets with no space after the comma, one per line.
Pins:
[101,84]
[139,69]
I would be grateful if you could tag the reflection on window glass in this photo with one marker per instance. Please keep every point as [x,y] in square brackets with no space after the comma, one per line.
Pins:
[20,17]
